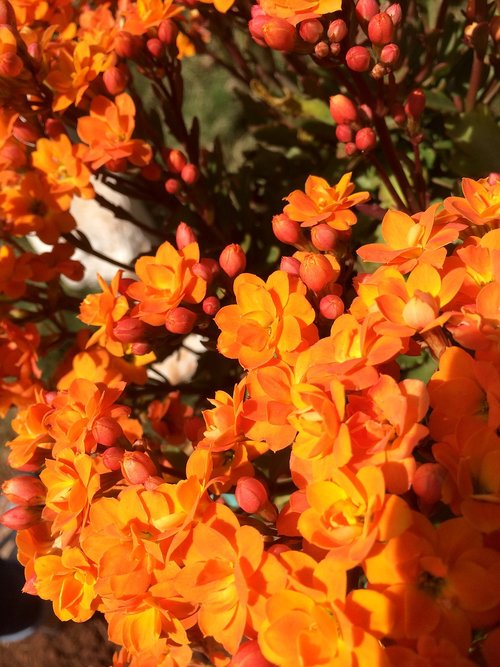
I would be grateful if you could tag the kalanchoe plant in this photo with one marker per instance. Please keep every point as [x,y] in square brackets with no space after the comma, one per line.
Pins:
[324,488]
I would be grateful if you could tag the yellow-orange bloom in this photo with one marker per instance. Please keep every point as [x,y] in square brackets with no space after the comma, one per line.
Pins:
[480,205]
[298,10]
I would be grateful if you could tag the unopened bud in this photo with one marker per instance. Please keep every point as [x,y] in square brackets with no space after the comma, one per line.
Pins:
[233,260]
[211,305]
[25,132]
[7,14]
[180,320]
[140,348]
[106,431]
[324,237]
[389,54]
[10,64]
[343,110]
[322,50]
[290,265]
[206,269]
[115,80]
[350,149]
[184,235]
[343,133]
[176,161]
[311,30]
[279,34]
[20,518]
[428,482]
[249,655]
[398,113]
[380,29]
[190,174]
[255,27]
[172,186]
[127,45]
[112,457]
[167,32]
[137,467]
[24,490]
[337,30]
[366,139]
[358,59]
[415,104]
[155,47]
[316,271]
[251,495]
[331,306]
[395,13]
[54,128]
[366,9]
[286,230]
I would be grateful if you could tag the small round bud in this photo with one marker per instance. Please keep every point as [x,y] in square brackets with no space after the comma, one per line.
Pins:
[206,269]
[172,186]
[366,139]
[233,260]
[343,110]
[180,320]
[155,47]
[190,174]
[115,80]
[129,330]
[428,482]
[106,431]
[251,495]
[334,49]
[255,27]
[350,149]
[390,54]
[176,161]
[324,237]
[358,59]
[337,30]
[167,32]
[137,467]
[322,50]
[290,265]
[310,30]
[366,9]
[127,45]
[286,230]
[140,348]
[415,104]
[331,306]
[279,35]
[343,133]
[380,29]
[211,305]
[25,132]
[395,13]
[184,235]
[316,271]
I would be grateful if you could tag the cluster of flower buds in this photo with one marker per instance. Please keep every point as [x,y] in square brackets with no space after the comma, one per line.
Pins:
[353,125]
[180,171]
[28,494]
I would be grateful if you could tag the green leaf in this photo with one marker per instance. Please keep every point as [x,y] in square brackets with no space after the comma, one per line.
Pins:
[476,139]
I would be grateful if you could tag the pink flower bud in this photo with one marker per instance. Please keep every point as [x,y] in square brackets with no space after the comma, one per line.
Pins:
[316,271]
[176,161]
[331,306]
[25,132]
[167,32]
[324,237]
[190,174]
[151,172]
[211,305]
[112,457]
[279,34]
[249,655]
[137,467]
[380,29]
[358,59]
[350,149]
[10,64]
[390,54]
[203,270]
[155,47]
[428,482]
[172,186]
[233,260]
[180,320]
[322,50]
[140,348]
[366,139]
[337,30]
[184,235]
[127,45]
[106,431]
[415,104]
[311,30]
[115,80]
[20,518]
[54,128]
[129,330]
[343,110]
[366,9]
[395,13]
[290,265]
[251,494]
[343,133]
[24,490]
[255,27]
[286,230]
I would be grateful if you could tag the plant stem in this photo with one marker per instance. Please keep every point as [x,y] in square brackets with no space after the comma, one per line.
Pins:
[387,182]
[474,82]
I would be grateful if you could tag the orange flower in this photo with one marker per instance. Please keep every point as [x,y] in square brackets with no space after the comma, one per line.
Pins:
[108,131]
[9,60]
[269,318]
[298,10]
[322,202]
[32,436]
[144,14]
[164,281]
[480,206]
[168,417]
[14,272]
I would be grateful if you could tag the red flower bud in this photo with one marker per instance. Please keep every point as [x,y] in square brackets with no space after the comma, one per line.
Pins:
[190,174]
[389,54]
[127,45]
[25,490]
[343,110]
[322,50]
[172,186]
[358,59]
[350,149]
[279,34]
[428,482]
[206,269]
[380,29]
[255,27]
[343,133]
[366,139]
[10,64]
[232,260]
[25,132]
[249,655]
[106,431]
[398,113]
[311,30]
[286,230]
[324,237]
[20,518]
[167,32]
[415,104]
[54,128]
[395,13]
[140,348]
[366,9]
[115,80]
[180,320]
[251,495]
[155,47]
[337,30]
[112,457]
[151,172]
[290,265]
[210,305]
[7,14]
[331,306]
[137,467]
[316,271]
[184,235]
[176,161]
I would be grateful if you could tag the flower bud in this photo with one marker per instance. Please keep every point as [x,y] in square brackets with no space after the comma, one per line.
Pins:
[397,111]
[115,80]
[176,161]
[415,104]
[366,9]
[358,59]
[395,13]
[428,481]
[155,47]
[311,30]
[343,133]
[172,186]
[152,482]
[286,230]
[290,265]
[350,149]
[390,54]
[151,172]
[251,494]
[118,165]
[249,655]
[112,457]
[54,128]
[190,174]
[140,348]
[127,45]
[25,132]
[10,64]
[184,235]
[380,29]
[331,306]
[180,320]
[129,330]
[35,51]
[211,305]
[24,490]
[324,237]
[366,139]
[206,269]
[20,518]
[316,271]
[232,260]
[343,110]
[137,467]
[337,30]
[7,14]
[279,34]
[255,27]
[322,50]
[167,32]
[106,431]
[366,113]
